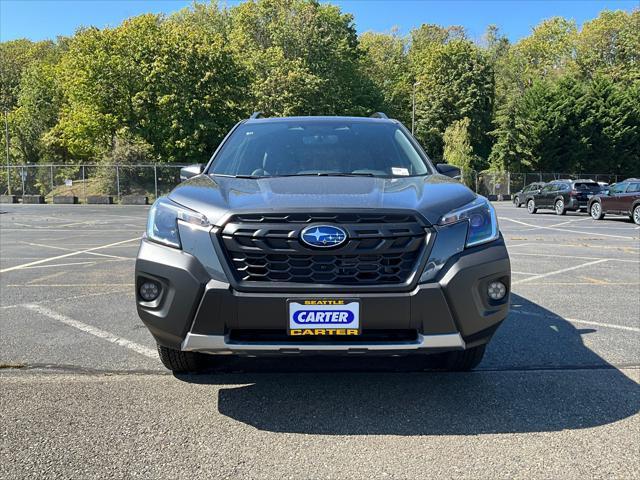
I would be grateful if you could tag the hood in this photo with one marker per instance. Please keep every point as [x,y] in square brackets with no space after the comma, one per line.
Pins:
[215,196]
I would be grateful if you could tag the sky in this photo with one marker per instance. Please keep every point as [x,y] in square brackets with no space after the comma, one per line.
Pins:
[46,19]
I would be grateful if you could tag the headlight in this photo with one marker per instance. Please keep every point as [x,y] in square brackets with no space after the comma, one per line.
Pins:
[162,225]
[481,216]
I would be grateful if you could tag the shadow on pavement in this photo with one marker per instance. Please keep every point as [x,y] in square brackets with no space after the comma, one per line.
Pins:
[537,376]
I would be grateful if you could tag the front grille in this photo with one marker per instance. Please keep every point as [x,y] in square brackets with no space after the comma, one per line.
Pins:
[381,249]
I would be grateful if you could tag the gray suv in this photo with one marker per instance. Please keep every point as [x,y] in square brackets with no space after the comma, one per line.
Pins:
[321,235]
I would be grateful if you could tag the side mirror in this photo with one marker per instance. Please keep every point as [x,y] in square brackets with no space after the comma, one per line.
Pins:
[448,170]
[190,171]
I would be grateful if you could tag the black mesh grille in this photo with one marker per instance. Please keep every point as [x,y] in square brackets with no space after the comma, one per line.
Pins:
[381,249]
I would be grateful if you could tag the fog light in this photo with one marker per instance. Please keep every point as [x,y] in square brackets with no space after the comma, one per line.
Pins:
[149,291]
[496,290]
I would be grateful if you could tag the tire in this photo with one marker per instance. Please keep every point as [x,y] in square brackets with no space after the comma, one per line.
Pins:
[635,216]
[596,211]
[516,202]
[181,362]
[559,207]
[531,206]
[463,360]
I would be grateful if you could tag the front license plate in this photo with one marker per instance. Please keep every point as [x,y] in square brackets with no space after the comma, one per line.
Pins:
[324,317]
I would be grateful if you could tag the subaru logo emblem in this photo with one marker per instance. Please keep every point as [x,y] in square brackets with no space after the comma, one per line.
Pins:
[323,236]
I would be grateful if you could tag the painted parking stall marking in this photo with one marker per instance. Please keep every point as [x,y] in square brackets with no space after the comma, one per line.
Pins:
[90,329]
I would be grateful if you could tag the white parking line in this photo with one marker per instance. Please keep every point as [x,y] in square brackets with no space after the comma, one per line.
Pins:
[578,257]
[565,230]
[97,332]
[585,245]
[53,265]
[73,297]
[562,270]
[570,221]
[79,252]
[54,247]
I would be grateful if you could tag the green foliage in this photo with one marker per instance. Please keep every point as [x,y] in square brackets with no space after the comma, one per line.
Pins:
[302,56]
[173,84]
[39,102]
[167,88]
[610,45]
[455,81]
[16,56]
[385,62]
[569,126]
[458,150]
[548,51]
[127,152]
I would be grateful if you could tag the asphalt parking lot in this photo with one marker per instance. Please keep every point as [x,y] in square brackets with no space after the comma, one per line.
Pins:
[83,394]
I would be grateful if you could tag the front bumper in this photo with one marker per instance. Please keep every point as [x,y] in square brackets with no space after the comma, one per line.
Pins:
[198,310]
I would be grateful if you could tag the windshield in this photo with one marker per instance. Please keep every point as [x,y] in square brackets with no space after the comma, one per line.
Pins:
[292,148]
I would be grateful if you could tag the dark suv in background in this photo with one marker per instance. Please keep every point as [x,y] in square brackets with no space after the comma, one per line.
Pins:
[621,199]
[563,195]
[519,198]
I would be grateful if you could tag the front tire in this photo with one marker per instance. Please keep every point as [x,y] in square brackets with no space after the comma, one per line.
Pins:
[463,360]
[596,211]
[559,207]
[516,202]
[181,362]
[635,216]
[531,206]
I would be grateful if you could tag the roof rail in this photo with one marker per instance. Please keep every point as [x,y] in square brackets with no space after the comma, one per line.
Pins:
[379,115]
[255,115]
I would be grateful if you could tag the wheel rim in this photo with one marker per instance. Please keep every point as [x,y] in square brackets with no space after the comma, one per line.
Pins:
[595,210]
[559,206]
[530,205]
[636,215]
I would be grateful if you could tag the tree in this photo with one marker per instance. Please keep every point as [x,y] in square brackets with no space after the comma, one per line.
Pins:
[428,36]
[456,81]
[173,84]
[302,57]
[38,107]
[609,126]
[15,57]
[548,51]
[610,45]
[458,150]
[386,64]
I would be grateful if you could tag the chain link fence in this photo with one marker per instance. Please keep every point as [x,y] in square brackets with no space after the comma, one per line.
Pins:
[507,183]
[151,181]
[83,181]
